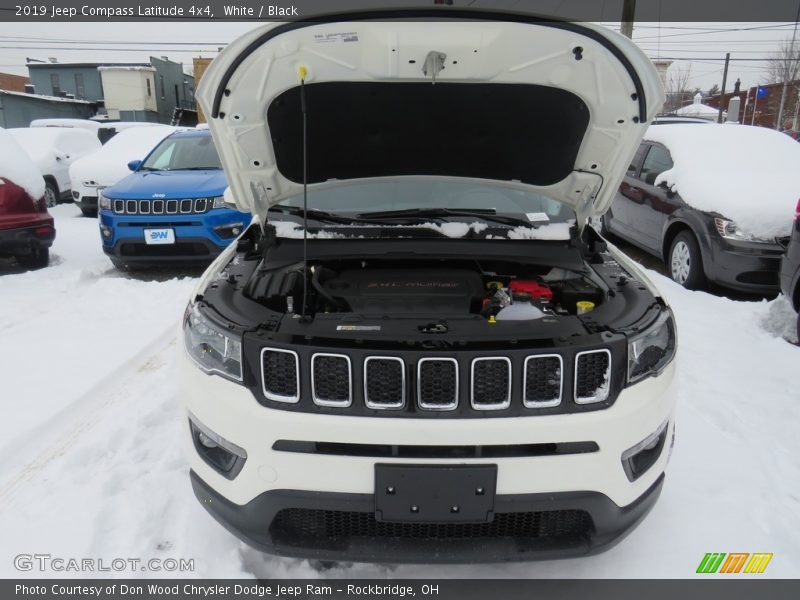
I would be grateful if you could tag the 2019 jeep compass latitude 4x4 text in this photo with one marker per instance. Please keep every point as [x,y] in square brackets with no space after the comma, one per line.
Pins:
[418,352]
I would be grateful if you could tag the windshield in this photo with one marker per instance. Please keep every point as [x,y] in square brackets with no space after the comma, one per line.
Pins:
[190,152]
[375,197]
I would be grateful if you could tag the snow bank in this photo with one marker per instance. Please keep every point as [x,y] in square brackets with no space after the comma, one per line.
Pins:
[16,166]
[109,164]
[45,145]
[750,175]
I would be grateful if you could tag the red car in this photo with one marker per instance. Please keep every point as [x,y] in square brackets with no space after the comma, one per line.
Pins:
[26,228]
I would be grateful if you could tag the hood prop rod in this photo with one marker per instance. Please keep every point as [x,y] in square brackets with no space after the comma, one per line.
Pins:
[303,72]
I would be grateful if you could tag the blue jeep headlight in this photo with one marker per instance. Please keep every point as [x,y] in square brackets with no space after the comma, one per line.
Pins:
[210,346]
[219,202]
[102,202]
[652,349]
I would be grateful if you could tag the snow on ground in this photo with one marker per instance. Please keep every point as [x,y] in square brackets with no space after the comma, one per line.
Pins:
[93,453]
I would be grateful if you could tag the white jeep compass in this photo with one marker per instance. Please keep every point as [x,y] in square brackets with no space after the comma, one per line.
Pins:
[419,351]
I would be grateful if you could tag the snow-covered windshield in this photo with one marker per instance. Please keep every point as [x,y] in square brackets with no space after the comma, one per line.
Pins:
[184,152]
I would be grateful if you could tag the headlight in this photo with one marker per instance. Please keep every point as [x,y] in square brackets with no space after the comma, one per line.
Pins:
[219,202]
[730,231]
[212,348]
[653,349]
[103,202]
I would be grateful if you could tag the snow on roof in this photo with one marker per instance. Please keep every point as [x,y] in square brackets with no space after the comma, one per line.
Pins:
[43,97]
[109,164]
[17,167]
[127,68]
[84,123]
[750,175]
[698,109]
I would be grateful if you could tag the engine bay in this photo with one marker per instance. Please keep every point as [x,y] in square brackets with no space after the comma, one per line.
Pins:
[495,290]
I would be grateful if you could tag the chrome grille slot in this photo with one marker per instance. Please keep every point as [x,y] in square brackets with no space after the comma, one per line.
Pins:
[280,375]
[172,207]
[130,207]
[437,383]
[490,383]
[119,206]
[186,206]
[331,380]
[144,207]
[543,381]
[384,382]
[157,207]
[592,376]
[200,205]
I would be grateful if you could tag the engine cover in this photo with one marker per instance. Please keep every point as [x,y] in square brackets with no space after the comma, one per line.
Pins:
[407,290]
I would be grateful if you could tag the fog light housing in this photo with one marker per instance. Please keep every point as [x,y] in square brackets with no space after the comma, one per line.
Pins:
[638,459]
[221,455]
[229,231]
[106,231]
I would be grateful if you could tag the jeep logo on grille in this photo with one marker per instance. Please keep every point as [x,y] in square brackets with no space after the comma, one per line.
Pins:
[159,195]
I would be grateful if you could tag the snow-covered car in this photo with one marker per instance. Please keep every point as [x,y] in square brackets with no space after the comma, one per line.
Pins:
[437,361]
[26,228]
[109,164]
[714,202]
[53,150]
[104,130]
[790,268]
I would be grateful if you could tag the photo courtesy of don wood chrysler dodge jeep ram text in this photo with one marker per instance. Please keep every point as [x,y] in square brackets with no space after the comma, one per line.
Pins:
[445,364]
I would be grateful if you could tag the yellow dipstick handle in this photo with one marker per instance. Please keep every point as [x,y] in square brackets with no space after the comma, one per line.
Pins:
[302,72]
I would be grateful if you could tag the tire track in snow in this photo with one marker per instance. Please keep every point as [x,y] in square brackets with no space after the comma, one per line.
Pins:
[60,432]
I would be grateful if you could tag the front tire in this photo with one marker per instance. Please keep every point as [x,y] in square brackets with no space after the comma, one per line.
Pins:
[50,194]
[685,263]
[89,212]
[37,259]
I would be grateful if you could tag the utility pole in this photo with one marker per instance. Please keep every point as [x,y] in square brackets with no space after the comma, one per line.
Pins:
[626,25]
[724,81]
[791,59]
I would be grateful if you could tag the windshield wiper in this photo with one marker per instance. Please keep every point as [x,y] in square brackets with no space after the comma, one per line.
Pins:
[485,214]
[196,168]
[318,215]
[152,169]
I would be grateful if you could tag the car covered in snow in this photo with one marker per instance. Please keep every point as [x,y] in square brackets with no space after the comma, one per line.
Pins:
[26,228]
[713,202]
[53,150]
[790,268]
[171,209]
[418,351]
[109,164]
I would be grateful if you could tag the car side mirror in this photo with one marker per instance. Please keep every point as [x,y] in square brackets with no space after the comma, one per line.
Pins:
[667,188]
[134,165]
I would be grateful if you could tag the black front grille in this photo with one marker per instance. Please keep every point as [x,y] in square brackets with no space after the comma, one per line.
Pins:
[294,523]
[437,385]
[543,381]
[491,383]
[384,382]
[592,372]
[331,380]
[280,375]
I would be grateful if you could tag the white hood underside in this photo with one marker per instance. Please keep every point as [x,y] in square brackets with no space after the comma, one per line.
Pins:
[607,72]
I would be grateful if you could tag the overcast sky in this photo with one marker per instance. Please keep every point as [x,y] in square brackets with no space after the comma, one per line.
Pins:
[704,43]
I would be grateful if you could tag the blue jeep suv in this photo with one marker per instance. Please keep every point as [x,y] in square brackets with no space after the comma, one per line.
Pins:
[170,210]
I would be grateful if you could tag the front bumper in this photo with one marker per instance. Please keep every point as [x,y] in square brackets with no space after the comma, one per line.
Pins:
[609,525]
[199,238]
[745,266]
[342,486]
[23,240]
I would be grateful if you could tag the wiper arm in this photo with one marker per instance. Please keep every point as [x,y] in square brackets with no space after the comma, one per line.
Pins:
[485,214]
[318,215]
[198,169]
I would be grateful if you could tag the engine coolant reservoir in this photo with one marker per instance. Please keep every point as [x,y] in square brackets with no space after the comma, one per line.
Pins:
[520,311]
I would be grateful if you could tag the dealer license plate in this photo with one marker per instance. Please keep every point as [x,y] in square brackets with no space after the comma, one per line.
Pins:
[159,236]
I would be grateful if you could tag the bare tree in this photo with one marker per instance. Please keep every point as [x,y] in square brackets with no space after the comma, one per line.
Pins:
[783,64]
[677,88]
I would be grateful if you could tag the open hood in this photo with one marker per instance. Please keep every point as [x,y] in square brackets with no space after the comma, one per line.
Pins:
[560,107]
